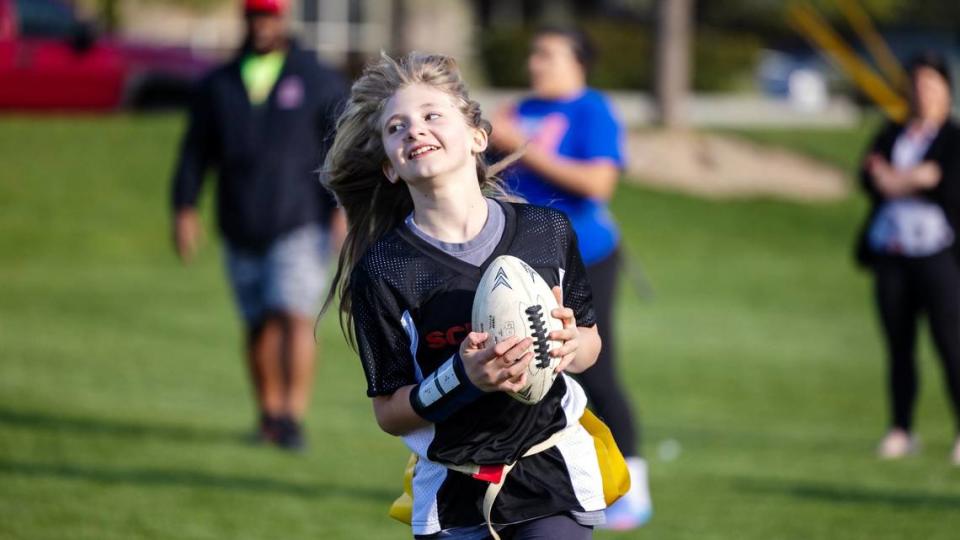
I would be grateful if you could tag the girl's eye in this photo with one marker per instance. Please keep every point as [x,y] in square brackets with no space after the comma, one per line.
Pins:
[393,128]
[432,116]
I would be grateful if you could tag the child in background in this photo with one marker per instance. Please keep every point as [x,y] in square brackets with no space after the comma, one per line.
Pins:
[571,162]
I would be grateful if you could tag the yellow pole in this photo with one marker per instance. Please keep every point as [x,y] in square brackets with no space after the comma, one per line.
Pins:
[809,24]
[879,50]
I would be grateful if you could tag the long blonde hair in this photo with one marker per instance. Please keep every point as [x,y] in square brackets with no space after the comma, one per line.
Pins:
[353,167]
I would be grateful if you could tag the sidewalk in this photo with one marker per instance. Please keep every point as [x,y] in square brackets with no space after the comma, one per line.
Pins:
[709,110]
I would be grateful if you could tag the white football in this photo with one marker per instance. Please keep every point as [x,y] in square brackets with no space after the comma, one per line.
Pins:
[513,300]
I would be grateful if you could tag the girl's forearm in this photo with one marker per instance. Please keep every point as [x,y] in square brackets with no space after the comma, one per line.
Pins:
[588,351]
[395,414]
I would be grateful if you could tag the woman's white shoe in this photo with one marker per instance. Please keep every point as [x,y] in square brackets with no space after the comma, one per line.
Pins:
[897,444]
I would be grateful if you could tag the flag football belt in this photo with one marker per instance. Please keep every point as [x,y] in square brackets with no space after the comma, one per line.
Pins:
[613,470]
[497,474]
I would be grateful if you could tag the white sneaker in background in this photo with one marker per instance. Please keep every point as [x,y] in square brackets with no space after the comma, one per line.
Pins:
[955,456]
[634,509]
[897,444]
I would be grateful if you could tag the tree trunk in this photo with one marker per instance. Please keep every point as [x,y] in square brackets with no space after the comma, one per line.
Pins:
[674,33]
[398,28]
[110,15]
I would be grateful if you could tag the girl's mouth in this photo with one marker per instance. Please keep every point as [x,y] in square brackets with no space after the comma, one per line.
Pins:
[421,151]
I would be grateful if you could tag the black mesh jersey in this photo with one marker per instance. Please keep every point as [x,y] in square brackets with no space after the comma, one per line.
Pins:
[411,307]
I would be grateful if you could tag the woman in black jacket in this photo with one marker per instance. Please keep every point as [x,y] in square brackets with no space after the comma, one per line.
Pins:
[912,175]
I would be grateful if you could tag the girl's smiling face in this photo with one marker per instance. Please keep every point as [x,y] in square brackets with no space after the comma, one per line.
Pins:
[425,135]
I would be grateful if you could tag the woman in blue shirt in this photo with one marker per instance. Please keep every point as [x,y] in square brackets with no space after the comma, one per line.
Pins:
[571,161]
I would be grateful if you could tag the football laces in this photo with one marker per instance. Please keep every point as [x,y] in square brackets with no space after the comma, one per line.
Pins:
[538,331]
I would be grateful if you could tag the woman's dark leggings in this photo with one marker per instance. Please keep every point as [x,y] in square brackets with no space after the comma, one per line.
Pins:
[601,381]
[905,288]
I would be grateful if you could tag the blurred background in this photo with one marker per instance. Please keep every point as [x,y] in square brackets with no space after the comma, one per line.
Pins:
[740,48]
[749,340]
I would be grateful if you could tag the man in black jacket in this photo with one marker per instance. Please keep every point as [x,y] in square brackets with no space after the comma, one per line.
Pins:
[263,121]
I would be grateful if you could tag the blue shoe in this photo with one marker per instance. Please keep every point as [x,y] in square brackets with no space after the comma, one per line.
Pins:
[634,509]
[627,513]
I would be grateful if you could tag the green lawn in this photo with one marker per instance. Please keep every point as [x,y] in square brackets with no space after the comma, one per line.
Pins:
[842,147]
[123,398]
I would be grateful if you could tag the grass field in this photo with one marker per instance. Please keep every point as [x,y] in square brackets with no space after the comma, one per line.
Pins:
[123,399]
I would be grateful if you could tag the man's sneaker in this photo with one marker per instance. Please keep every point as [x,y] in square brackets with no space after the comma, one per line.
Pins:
[290,435]
[897,444]
[634,509]
[266,430]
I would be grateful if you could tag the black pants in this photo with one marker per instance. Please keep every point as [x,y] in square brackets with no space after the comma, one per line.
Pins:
[905,288]
[558,527]
[601,381]
[555,527]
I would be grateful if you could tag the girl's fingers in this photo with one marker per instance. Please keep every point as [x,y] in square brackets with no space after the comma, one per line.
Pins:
[519,367]
[513,372]
[567,360]
[501,348]
[566,317]
[477,339]
[568,348]
[514,385]
[517,351]
[558,294]
[512,378]
[472,346]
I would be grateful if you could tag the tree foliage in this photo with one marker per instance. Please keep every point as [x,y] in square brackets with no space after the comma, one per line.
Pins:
[768,17]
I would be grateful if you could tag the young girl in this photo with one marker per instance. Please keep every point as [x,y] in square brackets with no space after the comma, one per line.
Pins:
[572,163]
[407,167]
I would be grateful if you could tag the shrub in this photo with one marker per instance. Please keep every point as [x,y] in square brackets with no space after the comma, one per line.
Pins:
[722,60]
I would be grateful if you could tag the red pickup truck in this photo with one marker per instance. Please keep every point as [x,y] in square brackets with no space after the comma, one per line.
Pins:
[50,59]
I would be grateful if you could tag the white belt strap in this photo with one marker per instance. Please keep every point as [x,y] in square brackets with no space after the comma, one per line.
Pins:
[494,488]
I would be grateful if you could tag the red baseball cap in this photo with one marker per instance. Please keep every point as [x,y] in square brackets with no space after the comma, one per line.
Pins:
[275,7]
